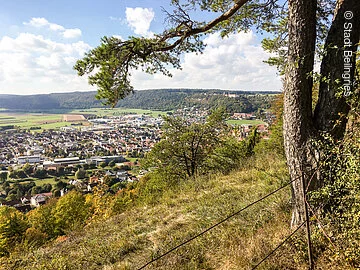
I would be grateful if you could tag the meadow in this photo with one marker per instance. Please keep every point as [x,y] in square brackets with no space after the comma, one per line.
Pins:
[244,122]
[54,120]
[117,111]
[28,120]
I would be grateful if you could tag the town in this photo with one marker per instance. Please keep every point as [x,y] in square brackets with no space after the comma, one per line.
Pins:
[37,165]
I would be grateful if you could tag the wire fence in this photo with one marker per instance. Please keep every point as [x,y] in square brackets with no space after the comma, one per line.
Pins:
[217,224]
[306,204]
[278,246]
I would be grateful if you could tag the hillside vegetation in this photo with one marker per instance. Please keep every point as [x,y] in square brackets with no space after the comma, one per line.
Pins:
[168,206]
[159,99]
[160,220]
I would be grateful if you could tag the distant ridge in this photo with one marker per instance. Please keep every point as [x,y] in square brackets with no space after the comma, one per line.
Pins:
[155,99]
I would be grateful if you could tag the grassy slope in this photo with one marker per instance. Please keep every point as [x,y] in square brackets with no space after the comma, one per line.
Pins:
[129,240]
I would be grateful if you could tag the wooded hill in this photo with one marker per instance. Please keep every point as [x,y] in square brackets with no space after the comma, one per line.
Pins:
[158,99]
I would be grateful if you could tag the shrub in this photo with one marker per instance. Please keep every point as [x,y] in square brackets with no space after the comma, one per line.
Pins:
[13,225]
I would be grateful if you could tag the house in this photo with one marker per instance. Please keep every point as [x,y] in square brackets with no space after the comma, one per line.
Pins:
[122,176]
[19,205]
[28,159]
[39,199]
[94,179]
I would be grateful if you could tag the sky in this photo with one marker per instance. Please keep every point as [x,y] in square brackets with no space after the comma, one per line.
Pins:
[40,41]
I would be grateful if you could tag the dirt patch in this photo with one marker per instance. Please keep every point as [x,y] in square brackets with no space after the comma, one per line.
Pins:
[73,117]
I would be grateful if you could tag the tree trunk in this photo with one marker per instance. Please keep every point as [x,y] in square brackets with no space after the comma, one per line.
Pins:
[337,69]
[298,128]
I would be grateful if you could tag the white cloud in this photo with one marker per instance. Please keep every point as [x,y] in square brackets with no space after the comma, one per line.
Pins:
[118,37]
[139,20]
[44,23]
[33,64]
[72,33]
[235,63]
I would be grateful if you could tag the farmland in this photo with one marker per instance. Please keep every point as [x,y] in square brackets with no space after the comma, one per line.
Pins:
[117,111]
[55,120]
[244,122]
[28,120]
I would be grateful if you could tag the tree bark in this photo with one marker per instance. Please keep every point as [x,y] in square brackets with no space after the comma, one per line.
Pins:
[341,41]
[298,127]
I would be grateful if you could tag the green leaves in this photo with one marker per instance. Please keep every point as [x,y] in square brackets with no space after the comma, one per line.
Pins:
[71,212]
[110,64]
[185,146]
[13,225]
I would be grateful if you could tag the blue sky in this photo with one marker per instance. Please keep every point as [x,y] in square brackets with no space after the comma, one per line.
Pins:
[41,40]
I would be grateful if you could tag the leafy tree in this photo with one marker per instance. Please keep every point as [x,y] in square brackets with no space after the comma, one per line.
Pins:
[71,212]
[28,169]
[3,176]
[34,238]
[40,173]
[227,156]
[103,164]
[13,225]
[112,163]
[56,193]
[185,146]
[47,187]
[21,174]
[16,174]
[86,166]
[108,180]
[297,24]
[42,218]
[251,141]
[36,190]
[5,186]
[61,171]
[80,174]
[60,185]
[301,125]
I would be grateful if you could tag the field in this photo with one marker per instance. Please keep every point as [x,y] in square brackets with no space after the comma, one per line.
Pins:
[55,120]
[117,111]
[28,120]
[245,122]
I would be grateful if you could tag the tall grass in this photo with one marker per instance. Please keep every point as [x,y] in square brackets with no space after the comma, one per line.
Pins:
[151,227]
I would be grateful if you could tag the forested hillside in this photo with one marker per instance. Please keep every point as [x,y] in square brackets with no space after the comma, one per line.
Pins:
[160,99]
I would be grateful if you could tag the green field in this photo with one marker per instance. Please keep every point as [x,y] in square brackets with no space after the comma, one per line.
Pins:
[244,122]
[54,120]
[116,111]
[40,182]
[28,120]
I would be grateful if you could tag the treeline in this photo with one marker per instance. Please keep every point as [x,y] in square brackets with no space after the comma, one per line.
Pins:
[49,101]
[160,99]
[169,99]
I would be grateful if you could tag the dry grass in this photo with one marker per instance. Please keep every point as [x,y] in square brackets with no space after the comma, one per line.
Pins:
[131,239]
